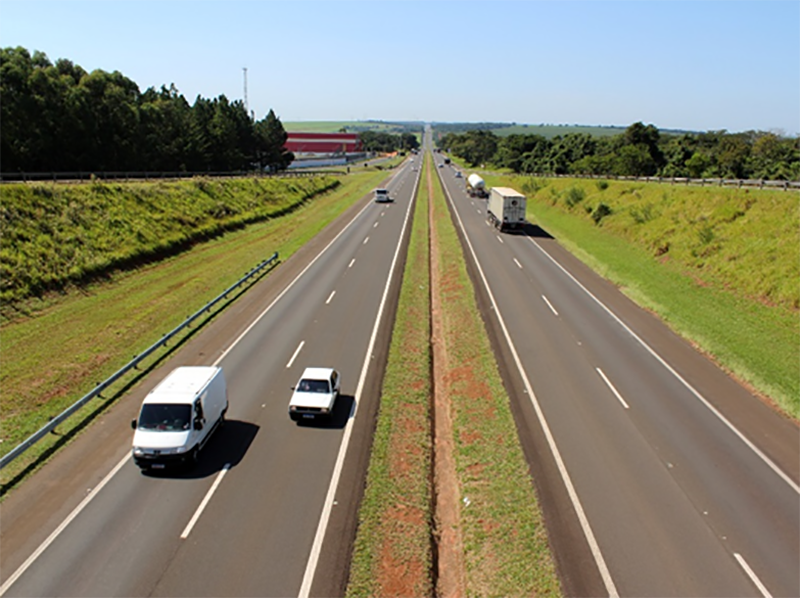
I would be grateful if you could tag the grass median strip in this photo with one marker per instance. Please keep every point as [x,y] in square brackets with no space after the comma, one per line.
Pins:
[479,531]
[393,553]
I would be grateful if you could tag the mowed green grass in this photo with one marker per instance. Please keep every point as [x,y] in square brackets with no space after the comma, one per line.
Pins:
[77,339]
[506,549]
[393,548]
[720,266]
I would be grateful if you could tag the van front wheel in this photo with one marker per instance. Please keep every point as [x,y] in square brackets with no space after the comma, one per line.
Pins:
[194,457]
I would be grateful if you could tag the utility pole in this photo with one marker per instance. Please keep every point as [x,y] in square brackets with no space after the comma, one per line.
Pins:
[246,109]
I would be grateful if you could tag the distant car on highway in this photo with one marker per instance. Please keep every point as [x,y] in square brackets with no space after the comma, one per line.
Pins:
[315,394]
[382,196]
[458,174]
[441,165]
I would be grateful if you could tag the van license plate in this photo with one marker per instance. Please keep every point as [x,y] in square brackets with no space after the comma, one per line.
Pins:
[157,466]
[308,415]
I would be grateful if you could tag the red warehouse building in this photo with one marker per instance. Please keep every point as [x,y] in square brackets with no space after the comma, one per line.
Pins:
[322,143]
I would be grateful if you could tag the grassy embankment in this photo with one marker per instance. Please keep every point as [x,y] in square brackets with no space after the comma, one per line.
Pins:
[720,266]
[70,340]
[54,235]
[503,540]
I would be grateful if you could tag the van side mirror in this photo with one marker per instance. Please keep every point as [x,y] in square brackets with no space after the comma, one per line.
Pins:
[198,424]
[133,424]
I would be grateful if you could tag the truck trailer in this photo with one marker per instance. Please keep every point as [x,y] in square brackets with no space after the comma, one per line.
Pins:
[506,208]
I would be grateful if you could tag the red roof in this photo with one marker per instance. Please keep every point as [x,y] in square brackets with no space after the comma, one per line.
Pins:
[322,143]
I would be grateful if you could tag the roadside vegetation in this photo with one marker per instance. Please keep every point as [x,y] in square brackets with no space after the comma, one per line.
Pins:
[720,266]
[53,235]
[638,151]
[57,117]
[70,340]
[393,553]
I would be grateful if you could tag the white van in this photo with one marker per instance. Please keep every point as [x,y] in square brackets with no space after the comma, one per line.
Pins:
[178,417]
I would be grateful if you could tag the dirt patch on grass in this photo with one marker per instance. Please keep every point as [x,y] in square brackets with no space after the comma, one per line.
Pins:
[450,575]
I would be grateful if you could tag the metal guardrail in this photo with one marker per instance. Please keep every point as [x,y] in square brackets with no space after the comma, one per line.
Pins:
[54,422]
[760,183]
[739,183]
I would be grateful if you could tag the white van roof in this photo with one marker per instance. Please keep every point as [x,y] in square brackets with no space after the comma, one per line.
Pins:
[182,385]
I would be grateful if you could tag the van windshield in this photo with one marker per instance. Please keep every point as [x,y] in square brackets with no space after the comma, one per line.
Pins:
[167,417]
[307,385]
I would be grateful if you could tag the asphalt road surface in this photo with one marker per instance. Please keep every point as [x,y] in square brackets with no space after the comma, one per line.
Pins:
[660,476]
[252,518]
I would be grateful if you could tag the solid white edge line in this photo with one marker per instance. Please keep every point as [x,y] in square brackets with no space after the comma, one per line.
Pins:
[188,529]
[550,305]
[52,537]
[330,297]
[316,547]
[517,263]
[296,353]
[680,378]
[753,577]
[611,386]
[565,477]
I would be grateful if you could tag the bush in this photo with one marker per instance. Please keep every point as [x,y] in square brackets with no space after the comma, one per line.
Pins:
[532,185]
[601,211]
[602,185]
[574,196]
[643,215]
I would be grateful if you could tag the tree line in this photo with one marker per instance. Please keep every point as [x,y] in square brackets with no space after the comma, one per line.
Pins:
[56,117]
[640,151]
[380,141]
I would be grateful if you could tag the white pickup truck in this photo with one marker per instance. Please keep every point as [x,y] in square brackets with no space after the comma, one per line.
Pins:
[315,394]
[382,196]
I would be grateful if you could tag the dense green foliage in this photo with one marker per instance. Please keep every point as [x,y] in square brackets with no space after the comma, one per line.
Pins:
[641,150]
[54,234]
[380,141]
[59,118]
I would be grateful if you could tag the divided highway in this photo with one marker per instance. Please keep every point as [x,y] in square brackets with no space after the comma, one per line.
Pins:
[659,475]
[251,519]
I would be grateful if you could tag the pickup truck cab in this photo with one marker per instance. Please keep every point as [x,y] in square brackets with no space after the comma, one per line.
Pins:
[315,394]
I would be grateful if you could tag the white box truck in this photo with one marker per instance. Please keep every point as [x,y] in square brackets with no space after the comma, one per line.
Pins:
[179,416]
[506,208]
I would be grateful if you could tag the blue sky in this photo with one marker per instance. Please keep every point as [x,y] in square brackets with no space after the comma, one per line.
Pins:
[674,64]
